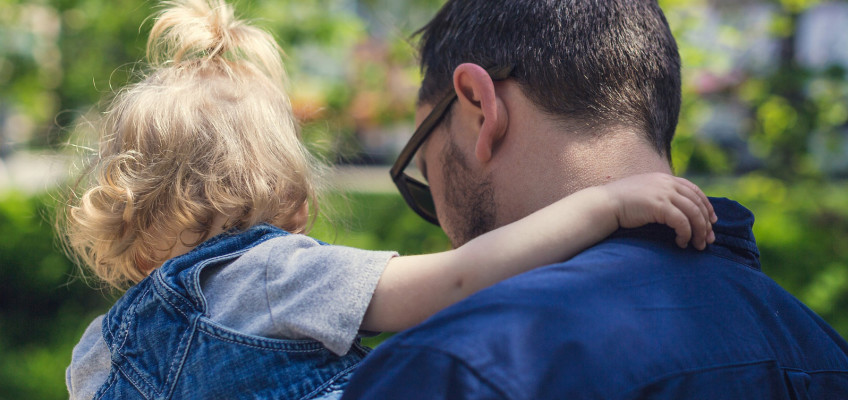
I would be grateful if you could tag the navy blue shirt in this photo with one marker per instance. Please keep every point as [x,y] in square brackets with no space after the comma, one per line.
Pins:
[634,317]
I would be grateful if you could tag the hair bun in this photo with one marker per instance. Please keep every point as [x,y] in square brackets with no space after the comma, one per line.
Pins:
[188,31]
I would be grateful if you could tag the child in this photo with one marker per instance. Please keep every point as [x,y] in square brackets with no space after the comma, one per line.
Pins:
[195,200]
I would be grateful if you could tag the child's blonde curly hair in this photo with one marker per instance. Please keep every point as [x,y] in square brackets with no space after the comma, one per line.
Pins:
[208,132]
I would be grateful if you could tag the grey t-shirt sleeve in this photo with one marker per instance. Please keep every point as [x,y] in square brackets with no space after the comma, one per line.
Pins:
[292,287]
[90,363]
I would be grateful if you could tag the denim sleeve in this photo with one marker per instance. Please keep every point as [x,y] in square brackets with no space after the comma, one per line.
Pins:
[411,372]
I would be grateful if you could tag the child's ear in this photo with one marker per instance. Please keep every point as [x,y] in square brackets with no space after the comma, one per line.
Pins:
[476,94]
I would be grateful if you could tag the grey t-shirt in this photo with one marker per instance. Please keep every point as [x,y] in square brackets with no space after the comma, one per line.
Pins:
[289,287]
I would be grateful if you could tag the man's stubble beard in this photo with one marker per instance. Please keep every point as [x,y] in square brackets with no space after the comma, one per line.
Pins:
[470,199]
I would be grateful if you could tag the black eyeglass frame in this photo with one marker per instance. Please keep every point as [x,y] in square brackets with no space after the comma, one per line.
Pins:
[416,193]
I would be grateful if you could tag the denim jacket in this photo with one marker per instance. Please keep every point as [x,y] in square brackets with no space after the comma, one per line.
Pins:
[163,344]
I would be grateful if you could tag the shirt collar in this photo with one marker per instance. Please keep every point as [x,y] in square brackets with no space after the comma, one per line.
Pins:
[734,234]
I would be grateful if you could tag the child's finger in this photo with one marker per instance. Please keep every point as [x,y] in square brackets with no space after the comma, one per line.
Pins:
[696,219]
[697,197]
[703,197]
[691,191]
[677,220]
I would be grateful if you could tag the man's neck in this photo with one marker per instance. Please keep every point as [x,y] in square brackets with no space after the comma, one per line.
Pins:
[569,165]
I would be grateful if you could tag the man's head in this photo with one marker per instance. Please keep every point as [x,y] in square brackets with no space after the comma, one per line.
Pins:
[598,62]
[592,70]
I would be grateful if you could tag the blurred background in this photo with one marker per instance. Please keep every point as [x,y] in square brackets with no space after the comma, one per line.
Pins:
[764,121]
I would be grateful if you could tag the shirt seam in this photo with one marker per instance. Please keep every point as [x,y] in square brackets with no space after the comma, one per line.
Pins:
[377,264]
[625,394]
[709,252]
[256,346]
[503,392]
[737,262]
[815,372]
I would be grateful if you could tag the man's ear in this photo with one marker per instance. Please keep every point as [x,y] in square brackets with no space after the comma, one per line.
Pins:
[475,91]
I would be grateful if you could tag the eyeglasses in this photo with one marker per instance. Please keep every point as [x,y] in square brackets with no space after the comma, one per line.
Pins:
[416,193]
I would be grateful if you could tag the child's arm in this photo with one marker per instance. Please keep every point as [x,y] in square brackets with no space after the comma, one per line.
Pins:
[415,287]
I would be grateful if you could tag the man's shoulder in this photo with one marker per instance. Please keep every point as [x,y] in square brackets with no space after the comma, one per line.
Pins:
[608,289]
[586,311]
[620,317]
[624,286]
[586,301]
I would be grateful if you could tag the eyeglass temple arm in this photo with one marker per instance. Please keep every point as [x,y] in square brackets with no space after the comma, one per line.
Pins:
[436,115]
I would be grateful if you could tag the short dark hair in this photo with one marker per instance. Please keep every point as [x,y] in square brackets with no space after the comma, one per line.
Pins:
[603,63]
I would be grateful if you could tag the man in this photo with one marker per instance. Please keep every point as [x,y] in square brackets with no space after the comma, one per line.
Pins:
[524,102]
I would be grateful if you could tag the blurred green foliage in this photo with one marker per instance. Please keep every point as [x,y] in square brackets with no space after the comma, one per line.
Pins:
[43,308]
[353,73]
[785,107]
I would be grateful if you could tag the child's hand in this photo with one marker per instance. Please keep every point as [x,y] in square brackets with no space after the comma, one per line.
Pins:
[665,199]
